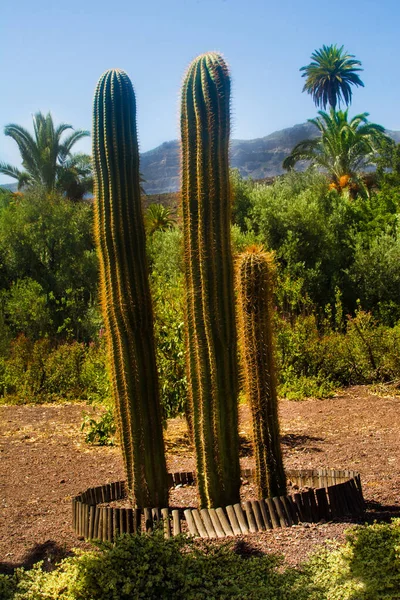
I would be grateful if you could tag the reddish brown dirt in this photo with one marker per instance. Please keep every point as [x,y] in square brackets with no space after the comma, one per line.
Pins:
[44,461]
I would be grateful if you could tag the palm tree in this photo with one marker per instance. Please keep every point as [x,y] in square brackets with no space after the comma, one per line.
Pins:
[344,147]
[46,157]
[331,75]
[76,176]
[158,218]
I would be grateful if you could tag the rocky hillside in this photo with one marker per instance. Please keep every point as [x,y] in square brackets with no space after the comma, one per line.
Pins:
[257,158]
[260,158]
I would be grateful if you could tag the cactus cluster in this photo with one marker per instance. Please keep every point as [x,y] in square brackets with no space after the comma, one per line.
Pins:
[211,337]
[210,312]
[254,282]
[125,293]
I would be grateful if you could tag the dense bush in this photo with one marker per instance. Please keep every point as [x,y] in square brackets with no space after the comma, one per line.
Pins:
[42,372]
[326,239]
[375,273]
[150,567]
[165,254]
[337,294]
[366,567]
[48,267]
[318,348]
[313,361]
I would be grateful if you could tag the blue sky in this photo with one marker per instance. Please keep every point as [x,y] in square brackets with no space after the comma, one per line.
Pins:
[52,54]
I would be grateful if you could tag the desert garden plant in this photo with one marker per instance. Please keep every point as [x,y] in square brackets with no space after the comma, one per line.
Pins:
[158,218]
[125,292]
[365,567]
[254,279]
[210,313]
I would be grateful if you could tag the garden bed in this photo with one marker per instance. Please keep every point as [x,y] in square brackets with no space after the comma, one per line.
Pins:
[44,462]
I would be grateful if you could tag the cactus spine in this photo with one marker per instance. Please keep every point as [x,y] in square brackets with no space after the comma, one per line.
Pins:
[210,311]
[254,285]
[125,292]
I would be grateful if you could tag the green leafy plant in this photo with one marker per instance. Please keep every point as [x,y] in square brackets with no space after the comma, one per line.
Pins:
[366,567]
[100,431]
[153,568]
[47,252]
[344,148]
[158,218]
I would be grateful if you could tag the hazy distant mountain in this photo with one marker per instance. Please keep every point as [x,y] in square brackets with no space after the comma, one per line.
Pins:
[257,158]
[10,186]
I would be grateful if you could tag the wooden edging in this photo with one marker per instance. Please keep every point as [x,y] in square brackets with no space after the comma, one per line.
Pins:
[331,494]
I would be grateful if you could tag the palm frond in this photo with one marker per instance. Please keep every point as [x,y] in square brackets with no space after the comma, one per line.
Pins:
[27,147]
[344,147]
[9,170]
[330,75]
[44,153]
[66,146]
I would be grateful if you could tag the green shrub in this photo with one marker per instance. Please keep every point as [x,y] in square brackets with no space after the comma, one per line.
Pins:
[46,246]
[101,431]
[376,274]
[26,308]
[315,359]
[366,567]
[170,344]
[241,240]
[7,587]
[165,252]
[41,372]
[327,239]
[94,375]
[241,204]
[150,567]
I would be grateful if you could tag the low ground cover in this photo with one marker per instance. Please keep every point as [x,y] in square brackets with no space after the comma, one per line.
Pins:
[45,461]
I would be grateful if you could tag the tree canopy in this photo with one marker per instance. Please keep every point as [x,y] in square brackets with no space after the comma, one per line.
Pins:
[47,157]
[344,148]
[330,75]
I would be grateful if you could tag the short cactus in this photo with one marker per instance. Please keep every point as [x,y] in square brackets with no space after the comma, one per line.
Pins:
[254,286]
[125,292]
[210,312]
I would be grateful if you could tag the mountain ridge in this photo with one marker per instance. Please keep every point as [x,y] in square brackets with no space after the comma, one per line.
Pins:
[258,158]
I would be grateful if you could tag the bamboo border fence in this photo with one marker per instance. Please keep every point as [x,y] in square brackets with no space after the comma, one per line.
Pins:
[330,494]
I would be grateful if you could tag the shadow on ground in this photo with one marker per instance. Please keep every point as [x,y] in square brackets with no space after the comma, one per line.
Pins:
[49,552]
[375,511]
[300,442]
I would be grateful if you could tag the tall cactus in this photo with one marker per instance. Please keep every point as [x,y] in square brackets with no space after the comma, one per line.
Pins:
[254,285]
[210,312]
[125,293]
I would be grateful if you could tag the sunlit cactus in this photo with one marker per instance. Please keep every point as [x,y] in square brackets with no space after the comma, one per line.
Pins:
[210,312]
[125,292]
[254,283]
